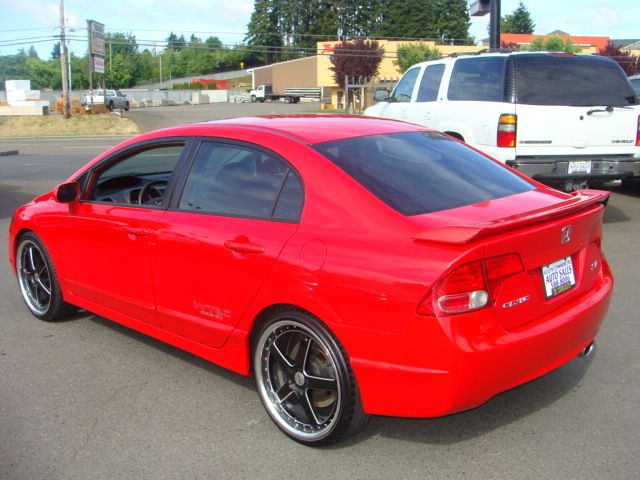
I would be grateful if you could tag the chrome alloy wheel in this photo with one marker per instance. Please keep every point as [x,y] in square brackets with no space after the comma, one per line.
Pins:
[34,277]
[297,380]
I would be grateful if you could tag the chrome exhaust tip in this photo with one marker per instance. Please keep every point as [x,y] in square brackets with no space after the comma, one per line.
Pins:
[588,350]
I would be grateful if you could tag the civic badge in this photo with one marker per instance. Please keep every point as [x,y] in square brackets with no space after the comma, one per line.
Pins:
[565,236]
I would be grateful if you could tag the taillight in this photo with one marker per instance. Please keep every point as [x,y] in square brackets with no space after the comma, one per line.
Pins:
[507,130]
[470,286]
[499,268]
[638,133]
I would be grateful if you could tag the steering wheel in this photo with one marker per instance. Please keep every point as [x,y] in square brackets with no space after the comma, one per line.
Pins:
[152,193]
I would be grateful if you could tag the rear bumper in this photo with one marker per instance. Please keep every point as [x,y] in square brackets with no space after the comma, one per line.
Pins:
[479,359]
[555,169]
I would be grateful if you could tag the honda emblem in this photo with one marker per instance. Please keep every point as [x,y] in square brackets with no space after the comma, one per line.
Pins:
[565,237]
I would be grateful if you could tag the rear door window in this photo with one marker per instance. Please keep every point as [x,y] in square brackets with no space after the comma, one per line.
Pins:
[233,180]
[478,79]
[571,80]
[422,172]
[430,83]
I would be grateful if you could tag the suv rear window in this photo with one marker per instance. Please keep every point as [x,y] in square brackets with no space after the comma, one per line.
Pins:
[571,80]
[422,172]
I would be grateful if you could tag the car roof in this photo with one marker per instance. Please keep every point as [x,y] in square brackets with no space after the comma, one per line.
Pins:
[310,129]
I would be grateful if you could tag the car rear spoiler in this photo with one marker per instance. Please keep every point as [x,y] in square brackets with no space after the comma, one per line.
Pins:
[462,234]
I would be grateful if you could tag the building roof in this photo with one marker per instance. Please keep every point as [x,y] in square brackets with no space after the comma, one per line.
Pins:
[627,43]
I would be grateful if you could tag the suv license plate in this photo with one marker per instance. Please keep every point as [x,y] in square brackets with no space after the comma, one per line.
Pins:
[558,277]
[579,167]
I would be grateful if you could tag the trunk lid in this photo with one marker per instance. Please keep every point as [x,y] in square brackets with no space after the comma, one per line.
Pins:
[557,238]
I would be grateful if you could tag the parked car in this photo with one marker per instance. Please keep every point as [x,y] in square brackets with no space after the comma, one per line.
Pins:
[353,266]
[559,118]
[114,99]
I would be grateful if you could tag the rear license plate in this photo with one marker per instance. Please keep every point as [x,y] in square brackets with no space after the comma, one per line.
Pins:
[558,277]
[579,167]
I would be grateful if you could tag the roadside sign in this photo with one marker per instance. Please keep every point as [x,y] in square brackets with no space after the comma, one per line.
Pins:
[98,64]
[96,38]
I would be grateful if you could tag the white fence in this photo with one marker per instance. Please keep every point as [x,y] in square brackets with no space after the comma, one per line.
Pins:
[157,98]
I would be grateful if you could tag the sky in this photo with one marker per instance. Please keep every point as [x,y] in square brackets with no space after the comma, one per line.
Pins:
[34,22]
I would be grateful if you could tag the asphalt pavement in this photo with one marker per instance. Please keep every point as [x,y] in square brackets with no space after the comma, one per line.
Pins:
[87,398]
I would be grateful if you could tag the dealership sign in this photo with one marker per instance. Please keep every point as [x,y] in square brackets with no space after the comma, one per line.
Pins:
[96,44]
[98,64]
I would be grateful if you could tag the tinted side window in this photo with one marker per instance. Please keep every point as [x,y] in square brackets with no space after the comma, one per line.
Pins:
[140,178]
[430,83]
[404,89]
[422,172]
[233,180]
[576,80]
[478,78]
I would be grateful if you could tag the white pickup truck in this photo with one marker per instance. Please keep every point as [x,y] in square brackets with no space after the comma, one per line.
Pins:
[114,99]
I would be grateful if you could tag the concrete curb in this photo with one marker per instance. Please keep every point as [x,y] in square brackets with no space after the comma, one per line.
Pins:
[9,152]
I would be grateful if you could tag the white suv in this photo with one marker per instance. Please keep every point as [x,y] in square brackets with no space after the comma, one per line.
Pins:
[556,117]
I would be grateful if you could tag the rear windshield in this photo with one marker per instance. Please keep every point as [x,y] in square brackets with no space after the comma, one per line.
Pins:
[422,172]
[573,80]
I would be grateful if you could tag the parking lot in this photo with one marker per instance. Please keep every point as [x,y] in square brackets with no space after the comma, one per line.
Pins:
[87,398]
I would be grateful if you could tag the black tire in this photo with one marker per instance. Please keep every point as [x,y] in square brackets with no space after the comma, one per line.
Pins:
[253,99]
[38,280]
[110,106]
[305,381]
[126,107]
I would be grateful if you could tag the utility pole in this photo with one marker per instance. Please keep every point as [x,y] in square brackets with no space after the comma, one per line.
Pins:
[494,24]
[63,65]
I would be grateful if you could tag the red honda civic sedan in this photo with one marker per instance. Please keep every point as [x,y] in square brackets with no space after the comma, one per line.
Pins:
[353,266]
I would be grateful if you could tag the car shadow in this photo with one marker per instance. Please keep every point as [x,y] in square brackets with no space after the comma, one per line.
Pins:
[613,214]
[175,352]
[505,408]
[630,188]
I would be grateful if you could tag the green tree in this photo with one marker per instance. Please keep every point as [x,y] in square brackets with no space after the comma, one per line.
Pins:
[410,19]
[263,30]
[55,51]
[553,43]
[444,20]
[450,22]
[518,22]
[410,54]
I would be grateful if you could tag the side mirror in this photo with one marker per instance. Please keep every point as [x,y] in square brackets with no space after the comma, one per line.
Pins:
[381,95]
[67,192]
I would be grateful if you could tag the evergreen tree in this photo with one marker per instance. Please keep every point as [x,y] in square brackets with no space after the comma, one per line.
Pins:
[409,19]
[518,22]
[450,22]
[263,30]
[55,51]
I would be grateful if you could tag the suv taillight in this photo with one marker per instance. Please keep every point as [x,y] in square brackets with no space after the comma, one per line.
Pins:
[638,133]
[507,130]
[471,286]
